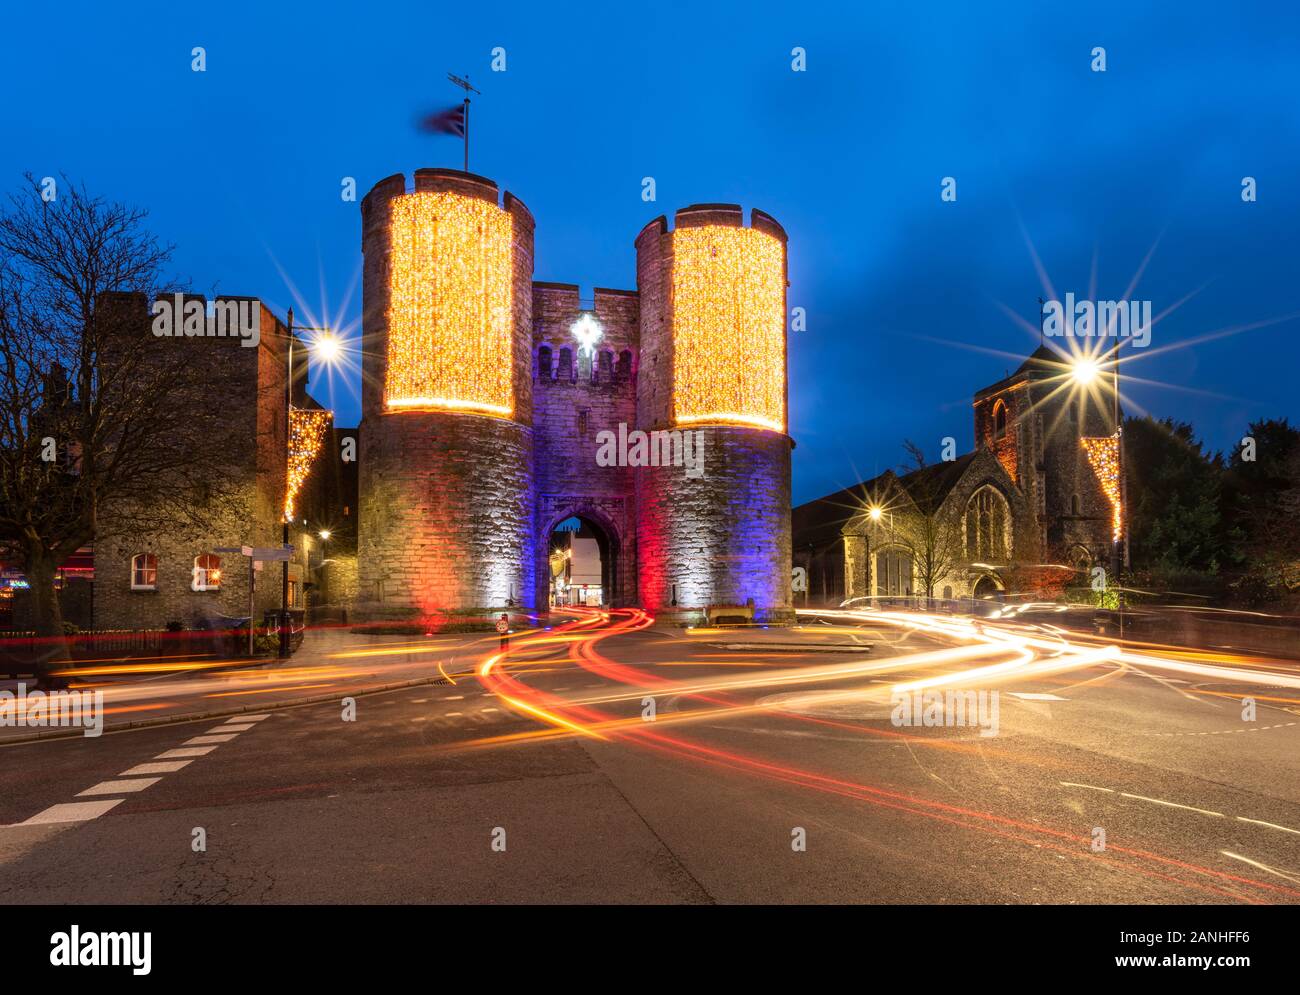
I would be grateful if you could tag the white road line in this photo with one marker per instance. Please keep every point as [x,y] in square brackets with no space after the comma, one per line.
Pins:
[1159,801]
[419,701]
[251,718]
[1262,867]
[208,740]
[1029,696]
[454,697]
[189,751]
[1271,825]
[72,812]
[1092,787]
[128,786]
[230,728]
[489,709]
[452,715]
[170,767]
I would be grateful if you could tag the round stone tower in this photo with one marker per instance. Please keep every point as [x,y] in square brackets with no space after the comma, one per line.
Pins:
[446,461]
[713,367]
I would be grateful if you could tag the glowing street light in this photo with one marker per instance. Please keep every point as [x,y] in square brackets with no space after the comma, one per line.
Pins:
[875,513]
[1084,370]
[327,348]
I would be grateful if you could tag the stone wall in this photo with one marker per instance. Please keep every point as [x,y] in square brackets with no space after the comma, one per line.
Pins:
[723,537]
[572,405]
[447,500]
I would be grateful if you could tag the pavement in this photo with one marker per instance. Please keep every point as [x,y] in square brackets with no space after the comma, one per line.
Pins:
[770,769]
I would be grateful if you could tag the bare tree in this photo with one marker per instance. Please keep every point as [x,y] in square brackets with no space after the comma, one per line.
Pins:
[934,537]
[100,433]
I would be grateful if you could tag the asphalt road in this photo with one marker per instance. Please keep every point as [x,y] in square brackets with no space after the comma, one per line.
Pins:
[773,771]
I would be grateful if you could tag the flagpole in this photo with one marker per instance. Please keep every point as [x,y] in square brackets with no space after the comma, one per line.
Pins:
[464,85]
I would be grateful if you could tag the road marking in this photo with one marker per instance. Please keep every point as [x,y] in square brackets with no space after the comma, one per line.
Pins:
[120,787]
[1028,696]
[418,701]
[1271,825]
[229,728]
[253,718]
[1092,787]
[206,740]
[454,697]
[452,715]
[72,812]
[189,751]
[1262,867]
[170,767]
[489,709]
[1159,801]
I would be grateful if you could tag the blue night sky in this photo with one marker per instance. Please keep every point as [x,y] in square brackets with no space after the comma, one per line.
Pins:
[241,168]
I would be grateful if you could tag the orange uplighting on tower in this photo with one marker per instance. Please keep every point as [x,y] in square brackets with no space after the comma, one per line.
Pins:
[450,305]
[728,314]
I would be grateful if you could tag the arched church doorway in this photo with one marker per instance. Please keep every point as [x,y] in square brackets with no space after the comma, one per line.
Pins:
[986,589]
[582,564]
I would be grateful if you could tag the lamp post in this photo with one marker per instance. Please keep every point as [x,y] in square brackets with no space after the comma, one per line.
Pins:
[1084,370]
[327,349]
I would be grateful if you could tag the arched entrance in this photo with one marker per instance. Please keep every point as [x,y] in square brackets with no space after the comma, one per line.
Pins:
[987,589]
[581,563]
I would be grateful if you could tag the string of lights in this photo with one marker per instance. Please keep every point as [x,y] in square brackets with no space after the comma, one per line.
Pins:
[1103,456]
[450,308]
[728,312]
[306,437]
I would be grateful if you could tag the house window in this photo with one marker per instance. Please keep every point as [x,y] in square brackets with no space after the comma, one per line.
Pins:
[207,573]
[544,363]
[986,526]
[582,423]
[1074,504]
[293,594]
[144,572]
[999,420]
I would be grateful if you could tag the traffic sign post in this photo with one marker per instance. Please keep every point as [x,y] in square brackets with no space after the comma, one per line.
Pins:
[503,627]
[257,555]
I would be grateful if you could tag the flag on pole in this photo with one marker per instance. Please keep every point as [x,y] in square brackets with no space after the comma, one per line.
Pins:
[448,122]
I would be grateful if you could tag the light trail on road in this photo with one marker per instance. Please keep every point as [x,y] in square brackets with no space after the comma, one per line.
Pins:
[1027,655]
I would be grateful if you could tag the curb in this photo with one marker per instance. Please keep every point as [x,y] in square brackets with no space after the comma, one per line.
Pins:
[168,720]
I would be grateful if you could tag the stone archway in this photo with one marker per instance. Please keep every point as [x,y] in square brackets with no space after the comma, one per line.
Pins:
[987,588]
[609,542]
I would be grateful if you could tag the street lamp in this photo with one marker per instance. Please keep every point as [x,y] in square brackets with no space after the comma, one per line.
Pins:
[1084,370]
[327,348]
